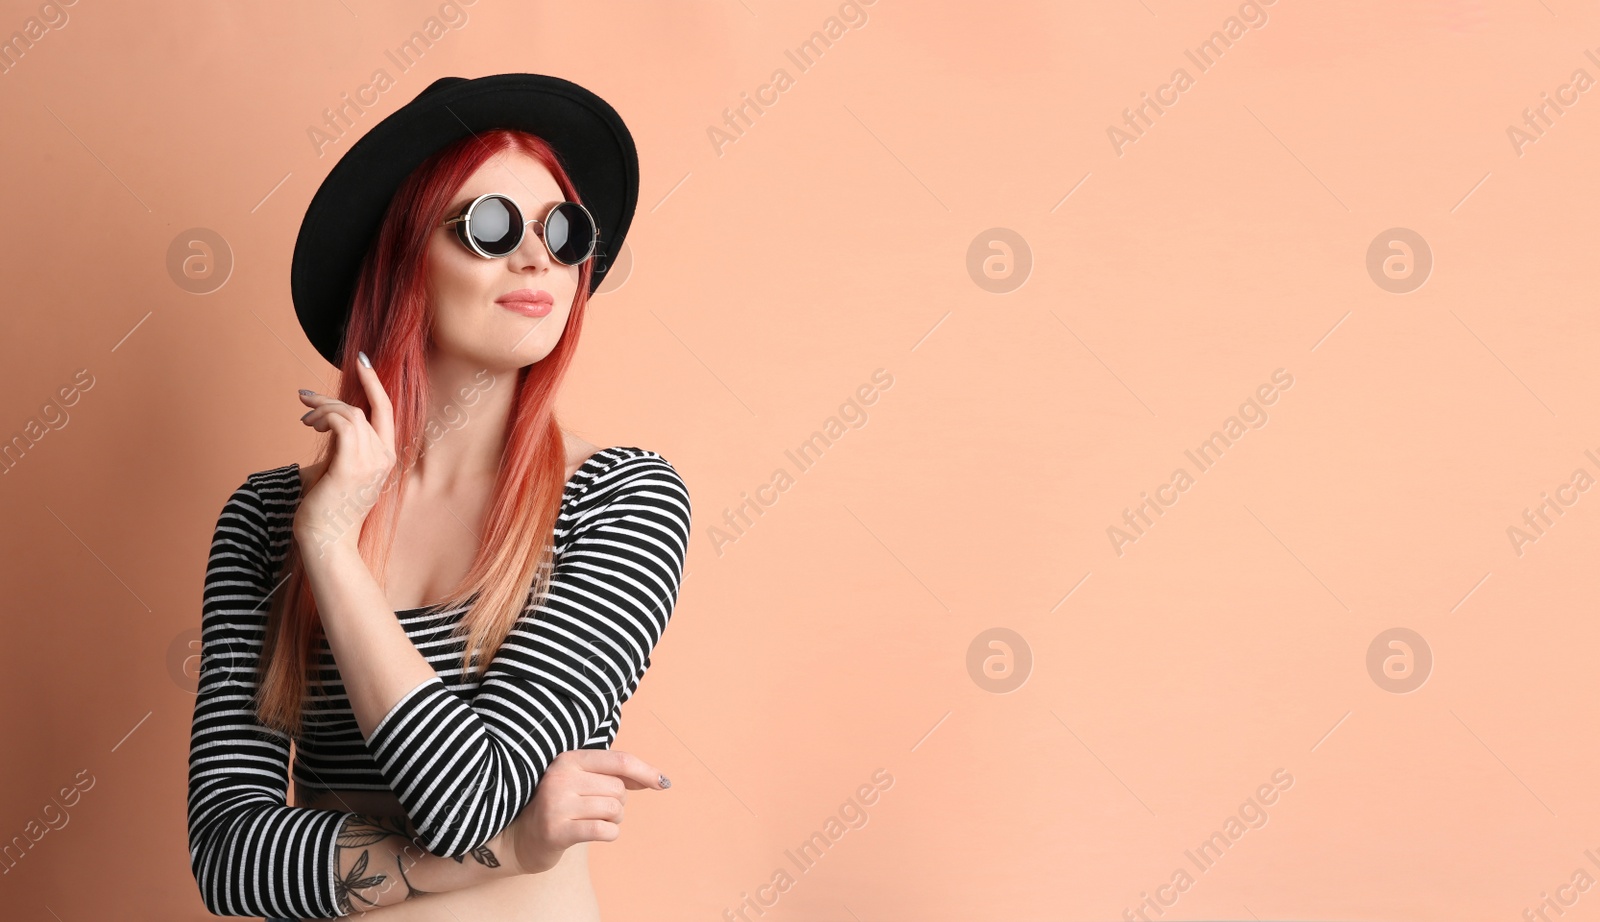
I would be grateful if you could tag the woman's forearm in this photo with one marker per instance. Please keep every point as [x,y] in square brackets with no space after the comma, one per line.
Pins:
[380,859]
[377,662]
[381,864]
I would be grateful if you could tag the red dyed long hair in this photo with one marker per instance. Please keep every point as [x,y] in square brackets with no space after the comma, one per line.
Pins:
[390,321]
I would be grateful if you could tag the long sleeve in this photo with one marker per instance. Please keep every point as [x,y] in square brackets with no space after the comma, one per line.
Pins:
[251,853]
[464,769]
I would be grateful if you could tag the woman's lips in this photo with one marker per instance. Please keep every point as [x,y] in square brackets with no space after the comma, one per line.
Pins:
[529,308]
[528,302]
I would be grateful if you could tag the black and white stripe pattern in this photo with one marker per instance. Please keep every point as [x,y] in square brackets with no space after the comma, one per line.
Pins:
[463,757]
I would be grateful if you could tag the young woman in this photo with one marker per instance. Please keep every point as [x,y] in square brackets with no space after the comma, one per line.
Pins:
[446,612]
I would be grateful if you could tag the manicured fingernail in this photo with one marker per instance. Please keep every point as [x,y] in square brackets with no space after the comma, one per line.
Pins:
[666,782]
[307,393]
[366,362]
[307,413]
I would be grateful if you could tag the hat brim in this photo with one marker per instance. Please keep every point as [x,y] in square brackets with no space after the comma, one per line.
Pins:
[343,218]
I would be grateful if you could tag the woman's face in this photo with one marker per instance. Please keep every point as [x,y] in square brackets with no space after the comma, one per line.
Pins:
[473,300]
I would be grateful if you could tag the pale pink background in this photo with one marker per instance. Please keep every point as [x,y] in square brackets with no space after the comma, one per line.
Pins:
[768,283]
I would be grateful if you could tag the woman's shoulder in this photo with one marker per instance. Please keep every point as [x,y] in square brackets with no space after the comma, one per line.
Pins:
[265,497]
[620,463]
[630,477]
[275,485]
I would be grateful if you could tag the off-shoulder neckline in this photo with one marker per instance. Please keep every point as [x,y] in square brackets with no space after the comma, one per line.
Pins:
[299,486]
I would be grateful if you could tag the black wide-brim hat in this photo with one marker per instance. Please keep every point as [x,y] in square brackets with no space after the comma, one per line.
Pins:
[342,220]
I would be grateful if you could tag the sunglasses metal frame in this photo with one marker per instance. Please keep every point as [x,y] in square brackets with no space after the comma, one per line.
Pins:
[462,222]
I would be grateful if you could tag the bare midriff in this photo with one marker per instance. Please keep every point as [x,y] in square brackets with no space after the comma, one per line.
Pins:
[562,893]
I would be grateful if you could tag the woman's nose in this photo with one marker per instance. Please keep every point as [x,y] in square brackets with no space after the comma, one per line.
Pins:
[531,251]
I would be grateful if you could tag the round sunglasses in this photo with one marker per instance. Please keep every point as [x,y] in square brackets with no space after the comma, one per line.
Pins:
[492,225]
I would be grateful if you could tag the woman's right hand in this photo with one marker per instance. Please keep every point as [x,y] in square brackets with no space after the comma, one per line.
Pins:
[359,466]
[578,799]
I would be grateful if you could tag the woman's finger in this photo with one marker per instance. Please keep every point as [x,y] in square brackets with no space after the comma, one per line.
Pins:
[334,408]
[323,401]
[382,411]
[316,402]
[341,425]
[592,831]
[318,419]
[597,808]
[635,772]
[597,784]
[324,421]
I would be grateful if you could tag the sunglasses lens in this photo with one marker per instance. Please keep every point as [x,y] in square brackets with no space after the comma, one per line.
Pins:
[569,233]
[495,225]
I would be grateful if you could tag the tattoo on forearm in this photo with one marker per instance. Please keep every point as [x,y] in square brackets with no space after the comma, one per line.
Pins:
[411,891]
[483,855]
[361,832]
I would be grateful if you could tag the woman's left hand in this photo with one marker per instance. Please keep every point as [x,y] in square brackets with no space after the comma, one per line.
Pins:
[362,459]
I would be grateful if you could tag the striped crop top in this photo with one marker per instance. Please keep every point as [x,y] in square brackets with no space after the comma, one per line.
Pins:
[462,757]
